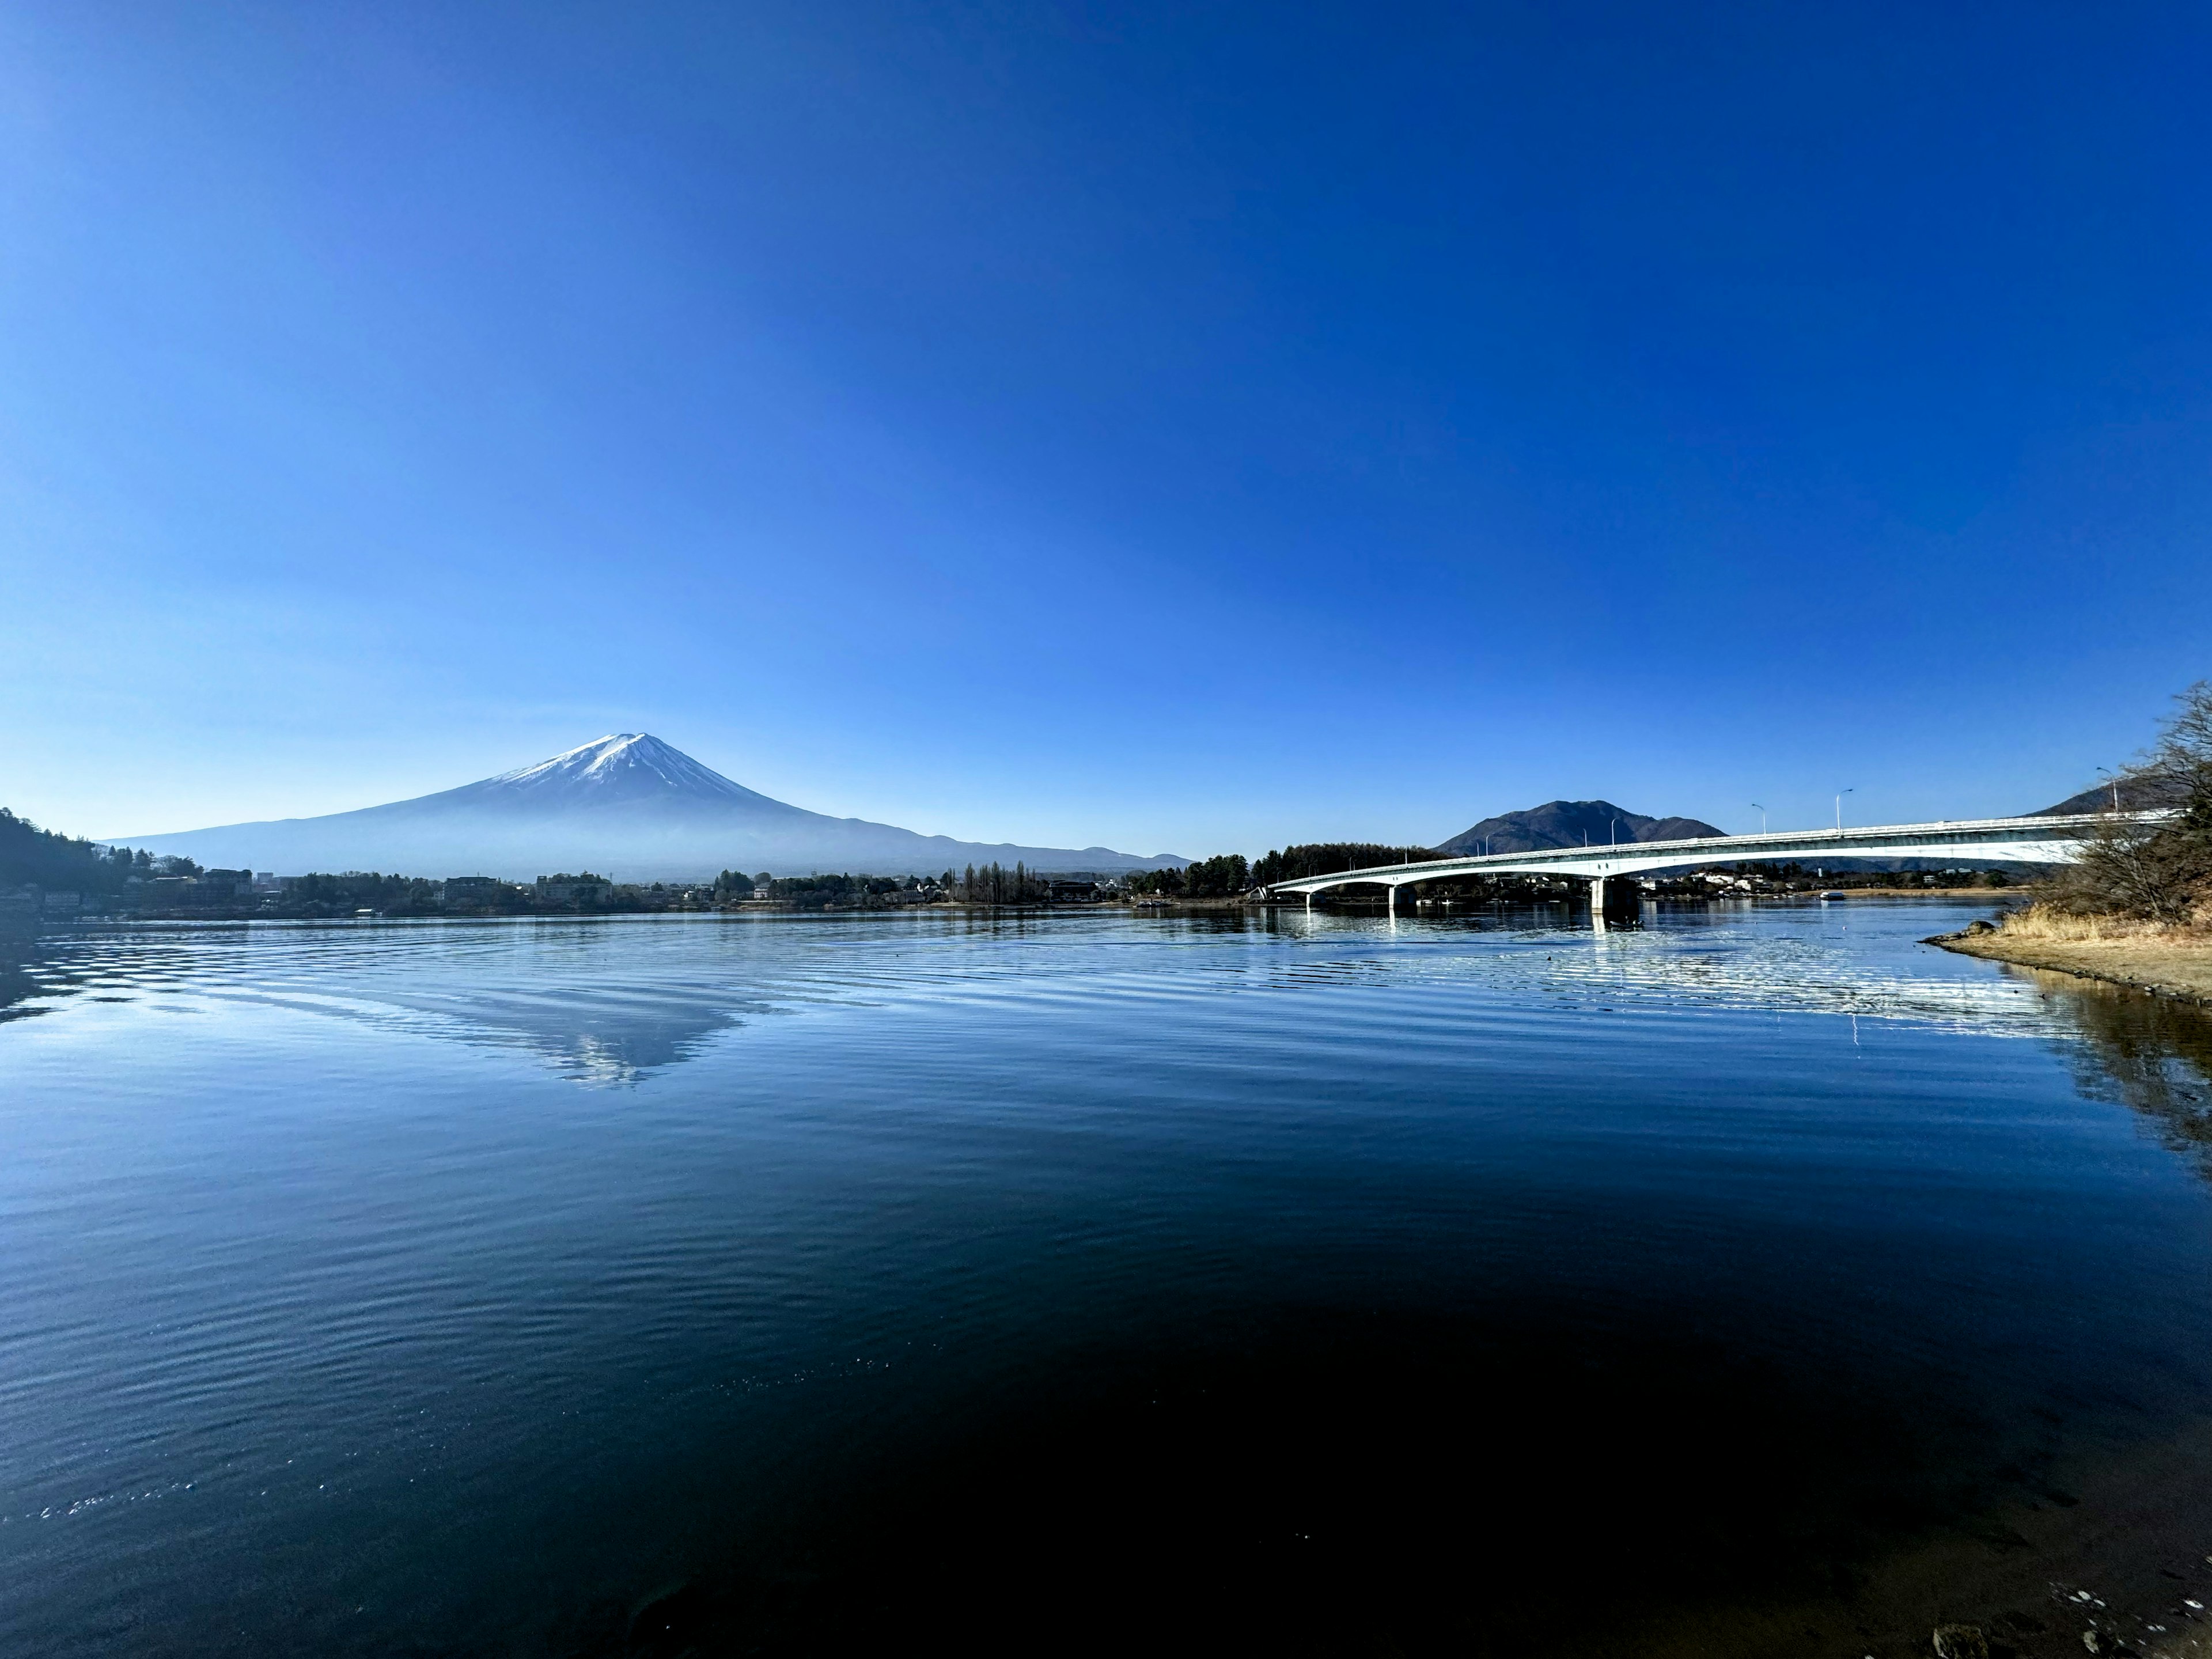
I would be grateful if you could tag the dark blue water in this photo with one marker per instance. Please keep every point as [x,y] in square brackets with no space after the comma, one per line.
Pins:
[807,1284]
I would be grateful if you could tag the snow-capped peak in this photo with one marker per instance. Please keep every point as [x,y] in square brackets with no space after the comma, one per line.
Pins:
[626,764]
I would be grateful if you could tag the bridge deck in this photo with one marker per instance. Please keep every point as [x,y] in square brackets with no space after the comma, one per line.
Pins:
[2056,840]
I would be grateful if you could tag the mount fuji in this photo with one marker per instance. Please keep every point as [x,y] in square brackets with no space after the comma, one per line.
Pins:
[627,805]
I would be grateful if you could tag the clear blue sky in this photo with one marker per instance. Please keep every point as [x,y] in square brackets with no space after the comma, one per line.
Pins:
[1181,427]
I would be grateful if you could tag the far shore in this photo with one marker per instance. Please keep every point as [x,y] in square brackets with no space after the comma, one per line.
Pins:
[1156,904]
[1917,892]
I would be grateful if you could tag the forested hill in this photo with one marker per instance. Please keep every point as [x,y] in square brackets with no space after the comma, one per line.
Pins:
[29,853]
[1569,824]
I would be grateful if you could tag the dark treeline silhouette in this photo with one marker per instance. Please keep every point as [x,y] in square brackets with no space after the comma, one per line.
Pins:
[47,858]
[1230,874]
[819,892]
[990,883]
[1331,857]
[1215,878]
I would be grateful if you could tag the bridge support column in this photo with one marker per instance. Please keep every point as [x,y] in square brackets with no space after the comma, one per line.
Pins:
[1614,895]
[1308,900]
[1393,899]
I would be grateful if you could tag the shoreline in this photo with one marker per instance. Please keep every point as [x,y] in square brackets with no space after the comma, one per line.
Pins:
[1167,904]
[2178,969]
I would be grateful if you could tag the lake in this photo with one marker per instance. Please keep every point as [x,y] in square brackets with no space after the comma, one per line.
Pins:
[1080,1283]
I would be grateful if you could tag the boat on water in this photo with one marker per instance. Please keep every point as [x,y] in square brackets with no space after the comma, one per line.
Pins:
[1831,894]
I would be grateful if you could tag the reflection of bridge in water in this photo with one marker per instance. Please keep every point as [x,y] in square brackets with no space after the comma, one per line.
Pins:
[2057,840]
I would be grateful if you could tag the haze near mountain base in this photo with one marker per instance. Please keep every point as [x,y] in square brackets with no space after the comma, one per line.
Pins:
[626,804]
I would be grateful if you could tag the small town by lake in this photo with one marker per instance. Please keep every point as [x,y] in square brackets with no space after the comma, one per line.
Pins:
[1759,1280]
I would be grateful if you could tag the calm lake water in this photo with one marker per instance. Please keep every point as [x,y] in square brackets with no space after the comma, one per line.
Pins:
[1078,1283]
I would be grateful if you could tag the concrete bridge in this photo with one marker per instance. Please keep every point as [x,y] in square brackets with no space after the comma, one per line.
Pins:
[2012,840]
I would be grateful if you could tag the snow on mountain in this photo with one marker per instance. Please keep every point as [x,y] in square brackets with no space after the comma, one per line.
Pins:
[626,804]
[624,766]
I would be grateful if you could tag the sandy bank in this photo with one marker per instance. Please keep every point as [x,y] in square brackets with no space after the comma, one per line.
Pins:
[2167,961]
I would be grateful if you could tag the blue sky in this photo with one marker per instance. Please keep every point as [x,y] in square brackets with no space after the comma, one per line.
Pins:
[1181,427]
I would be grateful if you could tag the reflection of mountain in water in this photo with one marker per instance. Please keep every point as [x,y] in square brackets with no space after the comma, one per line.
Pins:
[601,1035]
[611,1003]
[593,1018]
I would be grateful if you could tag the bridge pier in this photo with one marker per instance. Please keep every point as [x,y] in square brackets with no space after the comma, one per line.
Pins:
[1612,896]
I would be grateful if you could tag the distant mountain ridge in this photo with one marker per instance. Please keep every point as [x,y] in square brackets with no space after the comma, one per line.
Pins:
[2135,794]
[1569,824]
[626,804]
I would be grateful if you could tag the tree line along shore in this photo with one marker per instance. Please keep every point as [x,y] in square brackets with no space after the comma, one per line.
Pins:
[43,871]
[47,878]
[171,889]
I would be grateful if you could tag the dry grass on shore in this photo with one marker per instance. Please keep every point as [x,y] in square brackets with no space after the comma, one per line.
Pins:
[2167,958]
[2045,919]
